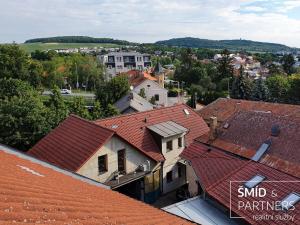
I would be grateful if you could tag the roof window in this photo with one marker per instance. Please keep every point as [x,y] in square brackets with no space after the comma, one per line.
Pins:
[290,200]
[254,181]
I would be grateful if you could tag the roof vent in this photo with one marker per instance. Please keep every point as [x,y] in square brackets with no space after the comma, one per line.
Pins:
[275,130]
[145,120]
[226,125]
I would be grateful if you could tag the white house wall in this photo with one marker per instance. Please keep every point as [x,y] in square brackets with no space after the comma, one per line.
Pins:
[133,159]
[151,89]
[171,164]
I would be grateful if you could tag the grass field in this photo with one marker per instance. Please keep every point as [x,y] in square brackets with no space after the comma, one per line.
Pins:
[31,47]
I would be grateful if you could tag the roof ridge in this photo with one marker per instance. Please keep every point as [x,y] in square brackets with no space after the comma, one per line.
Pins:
[138,113]
[89,121]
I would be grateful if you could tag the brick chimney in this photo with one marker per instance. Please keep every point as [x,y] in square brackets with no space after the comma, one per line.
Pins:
[213,123]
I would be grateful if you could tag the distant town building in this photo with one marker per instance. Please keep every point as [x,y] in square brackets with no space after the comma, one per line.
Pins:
[122,62]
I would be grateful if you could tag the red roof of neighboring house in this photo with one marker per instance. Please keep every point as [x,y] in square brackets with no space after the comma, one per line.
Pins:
[224,108]
[249,125]
[72,143]
[210,164]
[133,127]
[137,77]
[275,191]
[33,192]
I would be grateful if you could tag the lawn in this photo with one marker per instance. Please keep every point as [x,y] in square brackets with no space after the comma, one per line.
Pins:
[31,47]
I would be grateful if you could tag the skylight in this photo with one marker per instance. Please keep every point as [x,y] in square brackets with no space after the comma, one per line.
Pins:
[114,126]
[254,181]
[186,112]
[290,200]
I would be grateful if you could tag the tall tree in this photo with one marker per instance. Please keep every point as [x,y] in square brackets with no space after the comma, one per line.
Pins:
[224,66]
[260,91]
[279,87]
[78,107]
[24,119]
[288,62]
[241,86]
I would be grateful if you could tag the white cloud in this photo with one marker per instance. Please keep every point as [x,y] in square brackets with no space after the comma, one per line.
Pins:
[147,21]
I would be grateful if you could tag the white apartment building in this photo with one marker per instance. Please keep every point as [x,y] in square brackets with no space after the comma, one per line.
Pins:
[122,62]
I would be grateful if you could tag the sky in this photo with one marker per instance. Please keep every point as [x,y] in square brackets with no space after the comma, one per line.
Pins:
[276,21]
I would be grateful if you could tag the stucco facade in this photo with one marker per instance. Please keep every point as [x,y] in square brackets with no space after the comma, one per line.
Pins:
[151,89]
[171,164]
[134,158]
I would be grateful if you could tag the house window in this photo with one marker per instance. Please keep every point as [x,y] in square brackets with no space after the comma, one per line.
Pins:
[169,145]
[169,177]
[121,161]
[109,67]
[102,164]
[156,97]
[180,142]
[179,171]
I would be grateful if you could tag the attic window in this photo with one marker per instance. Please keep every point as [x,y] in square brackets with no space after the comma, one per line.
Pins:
[289,201]
[254,181]
[186,112]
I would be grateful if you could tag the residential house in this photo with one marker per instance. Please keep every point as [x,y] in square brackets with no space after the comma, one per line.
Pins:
[36,192]
[133,102]
[136,154]
[122,62]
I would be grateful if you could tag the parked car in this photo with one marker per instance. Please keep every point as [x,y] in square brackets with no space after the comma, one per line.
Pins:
[65,91]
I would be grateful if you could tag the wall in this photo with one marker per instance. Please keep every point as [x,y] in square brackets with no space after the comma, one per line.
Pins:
[133,159]
[192,180]
[152,90]
[171,164]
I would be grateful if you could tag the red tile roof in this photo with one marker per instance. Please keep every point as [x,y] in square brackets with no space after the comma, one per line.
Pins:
[250,125]
[210,164]
[72,143]
[133,127]
[136,77]
[224,108]
[221,192]
[35,193]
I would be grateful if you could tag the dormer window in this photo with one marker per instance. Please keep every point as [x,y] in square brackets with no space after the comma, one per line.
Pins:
[169,145]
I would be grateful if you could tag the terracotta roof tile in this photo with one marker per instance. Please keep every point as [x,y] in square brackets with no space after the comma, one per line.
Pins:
[210,164]
[133,127]
[221,192]
[250,125]
[73,142]
[56,198]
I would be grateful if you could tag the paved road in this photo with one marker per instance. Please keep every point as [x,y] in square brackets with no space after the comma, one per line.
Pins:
[86,95]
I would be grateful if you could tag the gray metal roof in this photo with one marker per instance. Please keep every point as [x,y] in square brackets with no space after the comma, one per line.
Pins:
[199,211]
[167,129]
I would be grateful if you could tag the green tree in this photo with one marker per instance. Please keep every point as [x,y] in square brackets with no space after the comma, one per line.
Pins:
[260,91]
[294,92]
[111,110]
[241,86]
[224,66]
[58,108]
[24,119]
[111,91]
[78,107]
[279,87]
[13,62]
[288,62]
[98,111]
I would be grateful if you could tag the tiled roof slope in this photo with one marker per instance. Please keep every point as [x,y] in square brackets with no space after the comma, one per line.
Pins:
[248,130]
[133,127]
[221,192]
[73,142]
[224,108]
[33,193]
[210,164]
[136,77]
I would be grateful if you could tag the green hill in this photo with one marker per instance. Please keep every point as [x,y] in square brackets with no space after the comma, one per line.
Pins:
[78,39]
[229,44]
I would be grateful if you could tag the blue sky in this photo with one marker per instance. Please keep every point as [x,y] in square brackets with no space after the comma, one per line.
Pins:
[148,21]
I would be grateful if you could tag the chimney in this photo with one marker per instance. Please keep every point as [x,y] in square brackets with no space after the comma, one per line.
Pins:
[213,122]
